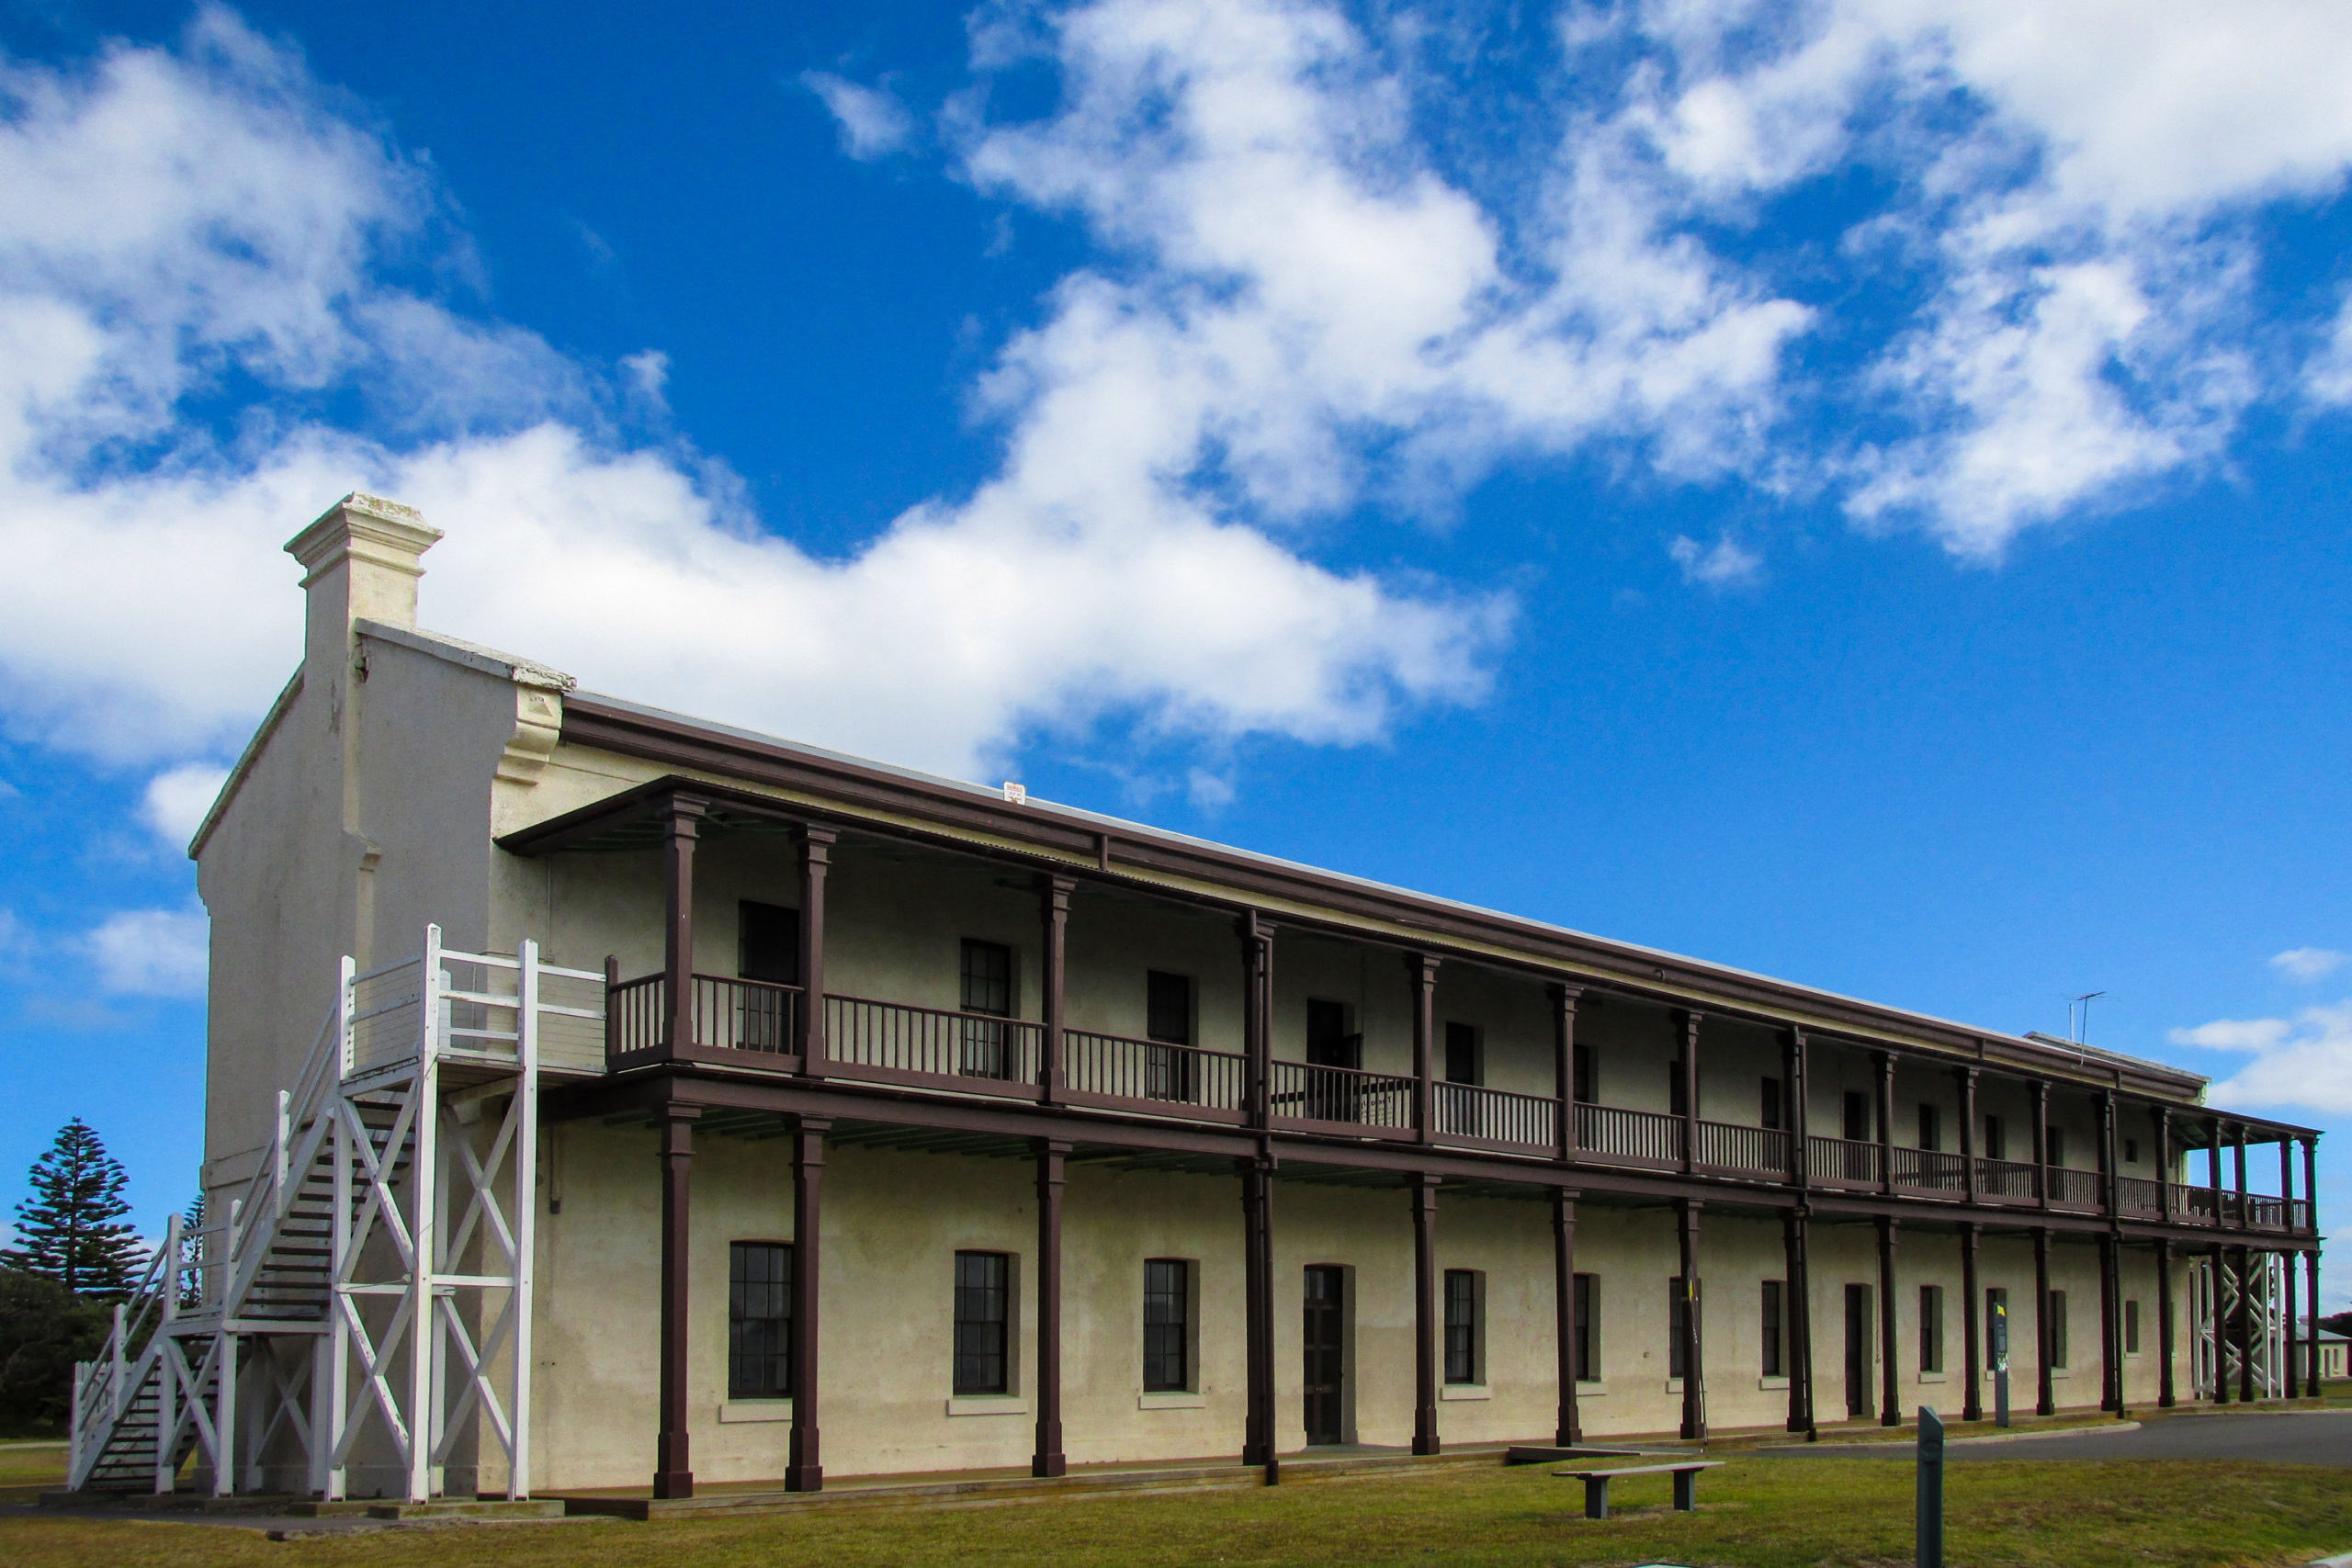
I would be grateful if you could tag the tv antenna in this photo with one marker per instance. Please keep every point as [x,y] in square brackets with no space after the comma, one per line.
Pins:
[2078,1016]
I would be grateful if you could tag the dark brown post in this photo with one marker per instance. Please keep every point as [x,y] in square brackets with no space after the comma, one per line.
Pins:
[1257,1025]
[2287,1185]
[2311,1281]
[1886,1122]
[2046,1402]
[1972,1398]
[1570,1431]
[2166,1391]
[1257,1440]
[674,1471]
[612,1010]
[1053,894]
[2213,1169]
[2237,1141]
[1685,1028]
[1694,1373]
[1564,1073]
[1794,1054]
[683,825]
[2110,1168]
[2041,1141]
[1422,969]
[1890,1412]
[1051,1175]
[1968,1174]
[816,856]
[1795,1243]
[2310,1183]
[2111,1370]
[804,1466]
[1425,1320]
[2245,1322]
[2165,1205]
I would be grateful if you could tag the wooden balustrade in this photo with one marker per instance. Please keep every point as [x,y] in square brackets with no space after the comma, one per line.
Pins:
[1151,1069]
[1312,1093]
[1847,1162]
[2137,1195]
[2007,1180]
[1929,1170]
[1614,1132]
[2076,1189]
[939,1041]
[1762,1151]
[1502,1116]
[636,1015]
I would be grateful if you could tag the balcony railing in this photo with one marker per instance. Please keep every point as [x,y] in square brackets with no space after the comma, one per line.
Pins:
[729,1014]
[933,1041]
[1312,1093]
[1612,1131]
[1762,1151]
[1929,1170]
[1502,1116]
[1149,1069]
[2076,1189]
[1847,1162]
[2011,1179]
[2137,1195]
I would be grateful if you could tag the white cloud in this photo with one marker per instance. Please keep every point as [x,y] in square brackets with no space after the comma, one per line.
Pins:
[152,952]
[178,798]
[2304,1061]
[2307,963]
[1724,564]
[873,123]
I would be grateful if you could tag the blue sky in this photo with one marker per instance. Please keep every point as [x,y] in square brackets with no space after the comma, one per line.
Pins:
[1851,489]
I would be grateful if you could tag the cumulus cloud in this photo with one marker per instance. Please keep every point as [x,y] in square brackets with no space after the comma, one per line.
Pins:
[2304,1061]
[873,123]
[152,952]
[176,799]
[1724,564]
[2307,963]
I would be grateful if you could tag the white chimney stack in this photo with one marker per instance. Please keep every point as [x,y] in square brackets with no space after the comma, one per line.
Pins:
[360,562]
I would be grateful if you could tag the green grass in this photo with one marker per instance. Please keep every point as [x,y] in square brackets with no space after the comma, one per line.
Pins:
[28,1469]
[1755,1513]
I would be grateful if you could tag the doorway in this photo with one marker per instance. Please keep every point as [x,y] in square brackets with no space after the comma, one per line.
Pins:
[1857,1351]
[1326,1359]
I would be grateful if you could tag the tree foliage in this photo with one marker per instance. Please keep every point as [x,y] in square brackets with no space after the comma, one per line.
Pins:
[71,1231]
[44,1329]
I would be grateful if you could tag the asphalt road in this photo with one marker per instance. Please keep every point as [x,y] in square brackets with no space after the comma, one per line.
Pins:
[2309,1437]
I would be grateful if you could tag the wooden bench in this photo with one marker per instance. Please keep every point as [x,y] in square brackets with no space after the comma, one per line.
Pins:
[1686,1482]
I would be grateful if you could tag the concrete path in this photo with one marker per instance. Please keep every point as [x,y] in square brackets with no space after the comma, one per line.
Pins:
[2318,1436]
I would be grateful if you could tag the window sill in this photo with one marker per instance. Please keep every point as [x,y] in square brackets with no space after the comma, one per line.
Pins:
[1172,1399]
[1591,1390]
[754,1410]
[2059,1375]
[1463,1391]
[1933,1377]
[988,1405]
[1770,1384]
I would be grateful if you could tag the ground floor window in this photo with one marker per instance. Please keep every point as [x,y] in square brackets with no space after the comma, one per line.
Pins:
[1587,1323]
[2131,1329]
[1166,1324]
[1931,1328]
[1463,1356]
[983,1309]
[1775,1333]
[2057,1329]
[759,1320]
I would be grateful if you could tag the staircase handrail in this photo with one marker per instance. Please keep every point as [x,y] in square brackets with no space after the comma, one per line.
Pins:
[304,1117]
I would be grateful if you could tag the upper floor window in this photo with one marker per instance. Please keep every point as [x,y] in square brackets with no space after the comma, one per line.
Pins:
[1585,1069]
[1166,1324]
[767,943]
[2057,1146]
[983,1322]
[986,1048]
[1677,1093]
[1328,1041]
[1770,1101]
[1168,1008]
[1858,1116]
[1463,1061]
[1931,1126]
[1996,1143]
[759,1319]
[1465,1355]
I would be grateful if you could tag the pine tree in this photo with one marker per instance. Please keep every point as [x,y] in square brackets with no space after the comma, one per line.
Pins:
[71,1229]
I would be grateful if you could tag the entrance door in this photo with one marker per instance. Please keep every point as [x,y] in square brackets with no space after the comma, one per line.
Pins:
[1326,1366]
[1857,1351]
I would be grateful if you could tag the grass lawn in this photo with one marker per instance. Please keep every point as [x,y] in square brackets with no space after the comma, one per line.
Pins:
[1755,1513]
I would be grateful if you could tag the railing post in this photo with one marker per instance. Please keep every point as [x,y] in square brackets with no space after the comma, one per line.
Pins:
[680,831]
[1564,1071]
[2110,1168]
[815,857]
[121,1361]
[2237,1138]
[1968,1173]
[2041,1088]
[2286,1184]
[526,1212]
[1422,969]
[424,1226]
[2311,1190]
[346,1005]
[2164,1204]
[1685,1029]
[1886,1128]
[75,1413]
[2213,1166]
[1796,1053]
[1256,1028]
[612,1008]
[1053,893]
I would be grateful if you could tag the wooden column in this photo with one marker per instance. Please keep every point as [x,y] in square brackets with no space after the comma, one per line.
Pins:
[1685,1029]
[1257,1015]
[2046,1402]
[1570,1429]
[1890,1409]
[1795,1245]
[1794,1068]
[2311,1281]
[1052,1174]
[2311,1182]
[1053,897]
[1425,1321]
[2041,1088]
[2111,1342]
[1968,1173]
[2110,1167]
[1421,969]
[1257,1203]
[804,1466]
[2237,1142]
[1886,1122]
[682,828]
[2213,1169]
[673,1473]
[1694,1373]
[1972,1397]
[2245,1321]
[2164,1204]
[815,845]
[1563,1070]
[2167,1390]
[2286,1184]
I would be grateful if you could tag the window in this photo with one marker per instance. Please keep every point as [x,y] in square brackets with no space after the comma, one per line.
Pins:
[1463,1349]
[1858,1116]
[1996,1143]
[2131,1151]
[1586,1069]
[2131,1329]
[1588,1321]
[768,950]
[987,989]
[1931,1328]
[1997,1327]
[1166,1324]
[1168,1019]
[1677,1306]
[1677,1100]
[983,1308]
[1775,1334]
[759,1320]
[1771,1106]
[1329,1043]
[1462,1055]
[2057,1146]
[2057,1329]
[1931,1126]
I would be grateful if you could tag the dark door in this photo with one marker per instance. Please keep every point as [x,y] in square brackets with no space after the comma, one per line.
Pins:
[1326,1365]
[1858,1349]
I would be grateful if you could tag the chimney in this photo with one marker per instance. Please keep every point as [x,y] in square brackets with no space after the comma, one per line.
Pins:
[359,562]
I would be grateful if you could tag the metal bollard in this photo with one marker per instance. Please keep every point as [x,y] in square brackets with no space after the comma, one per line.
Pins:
[1931,1489]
